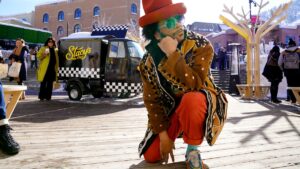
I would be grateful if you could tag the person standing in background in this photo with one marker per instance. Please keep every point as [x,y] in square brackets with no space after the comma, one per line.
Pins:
[289,61]
[1,57]
[33,59]
[48,68]
[273,72]
[222,55]
[19,55]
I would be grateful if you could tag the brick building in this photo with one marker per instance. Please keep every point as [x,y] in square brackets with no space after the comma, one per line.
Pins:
[68,16]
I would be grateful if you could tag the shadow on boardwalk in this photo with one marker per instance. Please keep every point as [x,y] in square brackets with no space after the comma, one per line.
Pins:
[277,112]
[105,133]
[62,109]
[145,165]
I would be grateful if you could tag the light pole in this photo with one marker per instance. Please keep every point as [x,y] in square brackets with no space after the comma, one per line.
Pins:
[254,3]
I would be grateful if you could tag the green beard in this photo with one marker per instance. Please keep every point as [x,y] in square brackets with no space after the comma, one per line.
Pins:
[156,52]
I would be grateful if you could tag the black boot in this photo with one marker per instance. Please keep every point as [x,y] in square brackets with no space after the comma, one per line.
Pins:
[276,101]
[274,92]
[7,143]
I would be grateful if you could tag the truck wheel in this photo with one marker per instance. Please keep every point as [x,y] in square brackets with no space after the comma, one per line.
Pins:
[74,92]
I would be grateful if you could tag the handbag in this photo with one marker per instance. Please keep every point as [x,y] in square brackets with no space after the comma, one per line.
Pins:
[56,85]
[270,64]
[3,70]
[267,72]
[14,69]
[271,61]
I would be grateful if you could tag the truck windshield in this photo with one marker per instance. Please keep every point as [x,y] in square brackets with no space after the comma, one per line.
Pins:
[135,50]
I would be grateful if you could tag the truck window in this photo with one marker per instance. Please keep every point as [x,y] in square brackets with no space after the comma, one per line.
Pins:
[135,49]
[117,50]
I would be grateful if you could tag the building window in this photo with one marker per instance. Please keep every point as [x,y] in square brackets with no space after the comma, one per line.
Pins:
[96,11]
[77,14]
[61,16]
[60,31]
[45,18]
[133,9]
[77,28]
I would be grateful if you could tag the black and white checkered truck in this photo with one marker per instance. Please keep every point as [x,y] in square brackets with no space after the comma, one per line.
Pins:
[100,64]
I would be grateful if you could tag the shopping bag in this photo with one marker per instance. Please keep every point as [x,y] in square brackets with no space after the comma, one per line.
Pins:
[14,69]
[3,70]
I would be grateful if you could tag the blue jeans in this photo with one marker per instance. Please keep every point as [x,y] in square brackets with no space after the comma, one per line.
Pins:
[2,104]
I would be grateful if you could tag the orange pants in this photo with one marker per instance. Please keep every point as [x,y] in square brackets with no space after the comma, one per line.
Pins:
[189,117]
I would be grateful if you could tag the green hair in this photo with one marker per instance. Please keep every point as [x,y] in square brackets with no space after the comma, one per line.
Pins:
[149,31]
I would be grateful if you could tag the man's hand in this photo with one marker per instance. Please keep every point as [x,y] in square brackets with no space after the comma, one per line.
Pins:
[166,147]
[168,45]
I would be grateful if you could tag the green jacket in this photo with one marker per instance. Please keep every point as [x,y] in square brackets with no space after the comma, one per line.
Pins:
[44,61]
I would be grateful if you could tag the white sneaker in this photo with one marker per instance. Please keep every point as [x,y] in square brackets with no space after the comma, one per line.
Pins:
[194,161]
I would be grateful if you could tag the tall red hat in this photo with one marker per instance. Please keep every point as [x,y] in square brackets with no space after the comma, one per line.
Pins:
[157,10]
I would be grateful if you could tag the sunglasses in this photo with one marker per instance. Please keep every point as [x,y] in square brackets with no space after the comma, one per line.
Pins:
[171,22]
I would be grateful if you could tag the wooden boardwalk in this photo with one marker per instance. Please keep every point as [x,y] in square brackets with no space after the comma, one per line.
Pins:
[96,134]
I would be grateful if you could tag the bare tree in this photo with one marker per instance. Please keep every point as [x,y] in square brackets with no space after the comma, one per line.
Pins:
[253,34]
[102,20]
[133,31]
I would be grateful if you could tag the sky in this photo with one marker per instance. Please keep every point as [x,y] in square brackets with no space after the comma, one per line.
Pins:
[197,10]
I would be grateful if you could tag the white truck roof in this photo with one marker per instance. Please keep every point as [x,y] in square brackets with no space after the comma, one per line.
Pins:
[81,35]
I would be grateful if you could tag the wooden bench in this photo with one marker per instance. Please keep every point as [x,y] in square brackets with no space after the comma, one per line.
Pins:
[296,92]
[12,94]
[248,91]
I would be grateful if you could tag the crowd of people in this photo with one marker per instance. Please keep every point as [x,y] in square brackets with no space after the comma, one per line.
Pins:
[285,63]
[46,74]
[220,59]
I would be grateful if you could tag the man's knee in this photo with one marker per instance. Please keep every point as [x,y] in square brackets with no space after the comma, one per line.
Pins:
[194,99]
[194,108]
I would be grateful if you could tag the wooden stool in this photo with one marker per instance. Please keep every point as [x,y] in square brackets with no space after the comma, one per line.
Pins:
[296,92]
[248,91]
[12,93]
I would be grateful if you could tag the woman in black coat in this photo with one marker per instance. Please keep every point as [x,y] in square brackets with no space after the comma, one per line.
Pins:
[273,72]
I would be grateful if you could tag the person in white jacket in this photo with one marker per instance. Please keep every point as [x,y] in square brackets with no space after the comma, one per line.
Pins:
[289,62]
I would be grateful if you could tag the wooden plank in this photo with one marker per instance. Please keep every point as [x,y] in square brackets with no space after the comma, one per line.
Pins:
[102,136]
[12,93]
[296,92]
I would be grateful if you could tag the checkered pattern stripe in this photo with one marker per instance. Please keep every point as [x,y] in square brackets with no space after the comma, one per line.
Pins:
[119,87]
[79,72]
[110,28]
